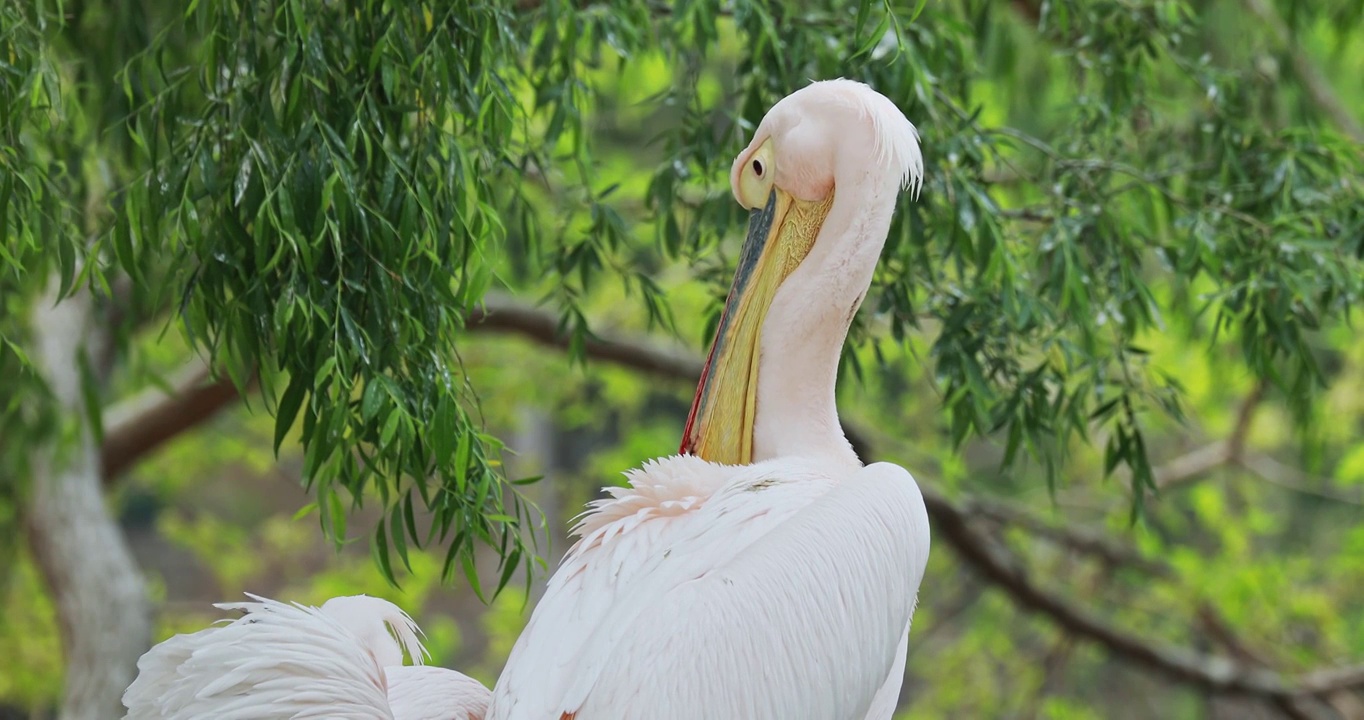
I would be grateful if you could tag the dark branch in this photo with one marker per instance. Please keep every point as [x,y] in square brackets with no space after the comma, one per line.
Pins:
[1030,11]
[142,423]
[998,564]
[507,316]
[1236,443]
[1220,631]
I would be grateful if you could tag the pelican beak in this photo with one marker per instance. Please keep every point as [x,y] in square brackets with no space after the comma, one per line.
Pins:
[780,235]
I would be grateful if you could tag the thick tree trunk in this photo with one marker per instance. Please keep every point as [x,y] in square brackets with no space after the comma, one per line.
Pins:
[100,595]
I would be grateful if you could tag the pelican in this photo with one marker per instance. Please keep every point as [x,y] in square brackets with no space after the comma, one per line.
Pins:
[763,572]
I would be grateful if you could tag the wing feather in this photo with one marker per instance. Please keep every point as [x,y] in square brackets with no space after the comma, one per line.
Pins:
[276,661]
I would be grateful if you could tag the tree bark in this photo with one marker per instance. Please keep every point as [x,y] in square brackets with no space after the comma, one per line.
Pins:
[102,606]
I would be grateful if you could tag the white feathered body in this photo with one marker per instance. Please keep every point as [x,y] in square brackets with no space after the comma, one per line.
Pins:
[782,589]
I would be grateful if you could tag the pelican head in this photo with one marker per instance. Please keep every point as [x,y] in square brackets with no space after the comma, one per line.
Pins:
[820,178]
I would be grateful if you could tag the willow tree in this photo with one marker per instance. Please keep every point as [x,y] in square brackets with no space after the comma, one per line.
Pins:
[319,196]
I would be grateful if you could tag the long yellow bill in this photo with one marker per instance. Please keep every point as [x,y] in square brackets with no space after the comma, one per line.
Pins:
[780,235]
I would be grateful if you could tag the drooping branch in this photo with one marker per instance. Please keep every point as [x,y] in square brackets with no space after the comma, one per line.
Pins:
[1315,84]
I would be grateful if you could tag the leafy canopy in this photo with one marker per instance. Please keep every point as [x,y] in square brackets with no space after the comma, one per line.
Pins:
[320,193]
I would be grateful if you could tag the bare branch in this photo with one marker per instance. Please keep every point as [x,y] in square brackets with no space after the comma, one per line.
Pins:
[500,314]
[1219,630]
[1199,462]
[1191,465]
[1236,442]
[140,424]
[1196,463]
[1290,478]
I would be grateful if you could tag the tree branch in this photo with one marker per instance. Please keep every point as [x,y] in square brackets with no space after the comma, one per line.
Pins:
[1191,465]
[1198,462]
[502,315]
[1290,478]
[140,424]
[998,564]
[1029,11]
[1219,630]
[1236,442]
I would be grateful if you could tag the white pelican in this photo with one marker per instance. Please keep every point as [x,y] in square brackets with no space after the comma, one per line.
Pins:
[767,574]
[764,573]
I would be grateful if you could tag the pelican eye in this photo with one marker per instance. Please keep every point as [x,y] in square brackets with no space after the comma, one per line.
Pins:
[756,177]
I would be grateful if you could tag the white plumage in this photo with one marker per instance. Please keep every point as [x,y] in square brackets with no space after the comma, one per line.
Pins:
[423,692]
[690,614]
[292,661]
